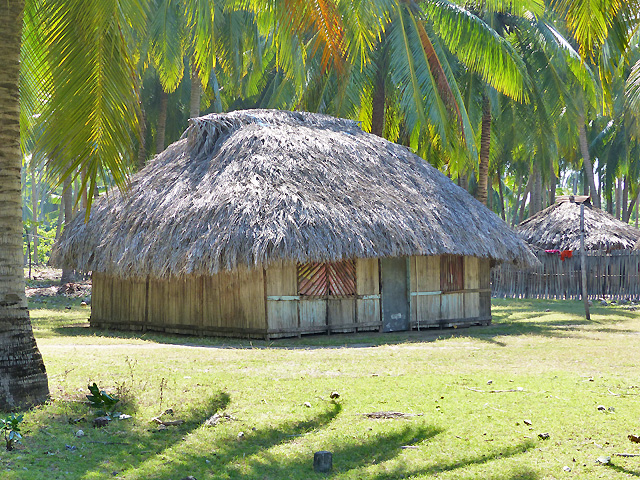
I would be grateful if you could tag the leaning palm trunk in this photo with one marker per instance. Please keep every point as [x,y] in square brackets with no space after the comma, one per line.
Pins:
[485,144]
[23,380]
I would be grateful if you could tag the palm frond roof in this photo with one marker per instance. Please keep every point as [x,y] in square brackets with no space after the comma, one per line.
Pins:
[558,228]
[248,188]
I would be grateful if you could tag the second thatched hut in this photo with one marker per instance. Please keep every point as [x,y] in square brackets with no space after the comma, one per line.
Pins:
[612,268]
[558,228]
[266,223]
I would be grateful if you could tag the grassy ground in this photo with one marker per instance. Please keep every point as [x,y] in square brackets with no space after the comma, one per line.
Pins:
[476,401]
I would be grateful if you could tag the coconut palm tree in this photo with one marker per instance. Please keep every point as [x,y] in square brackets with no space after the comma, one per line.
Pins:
[87,61]
[603,30]
[23,379]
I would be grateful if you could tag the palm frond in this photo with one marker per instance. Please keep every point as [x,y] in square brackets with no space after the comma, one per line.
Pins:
[590,20]
[92,113]
[479,47]
[167,46]
[517,7]
[632,88]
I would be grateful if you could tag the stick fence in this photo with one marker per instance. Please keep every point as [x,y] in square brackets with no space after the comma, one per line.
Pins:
[614,275]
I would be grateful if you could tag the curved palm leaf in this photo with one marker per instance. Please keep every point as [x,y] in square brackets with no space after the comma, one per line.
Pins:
[92,111]
[479,47]
[632,88]
[590,21]
[167,42]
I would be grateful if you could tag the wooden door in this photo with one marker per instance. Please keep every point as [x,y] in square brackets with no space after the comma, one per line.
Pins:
[395,303]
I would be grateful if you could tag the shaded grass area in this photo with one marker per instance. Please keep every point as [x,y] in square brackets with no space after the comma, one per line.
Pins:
[476,401]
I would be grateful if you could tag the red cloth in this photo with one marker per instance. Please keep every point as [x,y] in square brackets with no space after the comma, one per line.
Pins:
[566,254]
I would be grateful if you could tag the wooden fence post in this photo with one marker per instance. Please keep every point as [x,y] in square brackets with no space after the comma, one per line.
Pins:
[583,264]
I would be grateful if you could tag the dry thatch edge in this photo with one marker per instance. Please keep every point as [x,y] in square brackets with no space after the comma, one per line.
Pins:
[250,188]
[558,228]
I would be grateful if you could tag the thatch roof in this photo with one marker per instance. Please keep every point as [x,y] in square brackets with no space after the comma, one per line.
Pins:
[251,187]
[558,228]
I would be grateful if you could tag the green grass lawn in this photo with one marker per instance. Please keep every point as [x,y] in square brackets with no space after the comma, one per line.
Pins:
[476,401]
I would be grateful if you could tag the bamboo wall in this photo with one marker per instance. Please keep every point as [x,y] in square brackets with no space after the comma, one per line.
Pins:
[267,304]
[469,303]
[230,303]
[613,275]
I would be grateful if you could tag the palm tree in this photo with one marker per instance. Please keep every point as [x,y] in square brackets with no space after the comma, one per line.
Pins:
[90,120]
[23,380]
[602,30]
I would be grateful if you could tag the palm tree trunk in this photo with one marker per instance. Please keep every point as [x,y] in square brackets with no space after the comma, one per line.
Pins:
[83,186]
[627,216]
[552,187]
[162,121]
[378,105]
[60,220]
[485,144]
[588,166]
[527,191]
[618,197]
[142,147]
[67,199]
[625,200]
[536,191]
[501,192]
[196,93]
[23,379]
[34,208]
[514,211]
[489,195]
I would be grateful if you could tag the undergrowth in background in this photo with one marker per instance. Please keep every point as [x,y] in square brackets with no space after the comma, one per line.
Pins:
[540,394]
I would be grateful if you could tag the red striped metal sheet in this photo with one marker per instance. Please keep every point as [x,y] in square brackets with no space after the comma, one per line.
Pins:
[312,279]
[342,278]
[321,279]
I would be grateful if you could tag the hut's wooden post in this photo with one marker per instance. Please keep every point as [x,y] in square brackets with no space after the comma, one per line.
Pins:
[583,264]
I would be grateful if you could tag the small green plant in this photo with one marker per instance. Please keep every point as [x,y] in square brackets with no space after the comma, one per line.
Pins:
[102,402]
[11,428]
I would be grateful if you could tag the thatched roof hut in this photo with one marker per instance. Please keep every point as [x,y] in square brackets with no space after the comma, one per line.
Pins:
[253,192]
[558,228]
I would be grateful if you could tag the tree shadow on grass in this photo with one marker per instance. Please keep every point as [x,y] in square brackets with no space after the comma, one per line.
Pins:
[360,457]
[106,451]
[618,468]
[226,454]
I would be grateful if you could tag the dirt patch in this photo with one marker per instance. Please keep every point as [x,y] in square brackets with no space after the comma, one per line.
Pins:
[45,282]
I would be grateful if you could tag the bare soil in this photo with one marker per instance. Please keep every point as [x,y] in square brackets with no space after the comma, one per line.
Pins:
[45,282]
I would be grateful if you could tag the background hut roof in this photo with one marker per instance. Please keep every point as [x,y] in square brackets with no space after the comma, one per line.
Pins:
[251,187]
[558,228]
